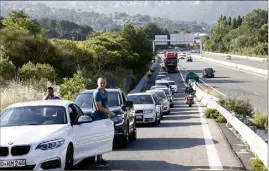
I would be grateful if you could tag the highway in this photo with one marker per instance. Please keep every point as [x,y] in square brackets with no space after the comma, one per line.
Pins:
[232,81]
[183,141]
[247,62]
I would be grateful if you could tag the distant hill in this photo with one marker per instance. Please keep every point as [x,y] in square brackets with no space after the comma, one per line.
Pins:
[96,20]
[200,11]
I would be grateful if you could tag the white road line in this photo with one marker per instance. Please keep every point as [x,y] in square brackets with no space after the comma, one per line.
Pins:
[256,94]
[263,76]
[240,87]
[210,86]
[212,154]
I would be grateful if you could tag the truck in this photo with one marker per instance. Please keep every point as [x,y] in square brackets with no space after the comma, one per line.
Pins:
[170,62]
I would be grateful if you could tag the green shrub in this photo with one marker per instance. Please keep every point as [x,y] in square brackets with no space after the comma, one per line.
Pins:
[239,105]
[257,164]
[30,71]
[211,113]
[214,114]
[260,120]
[134,81]
[221,119]
[71,86]
[7,69]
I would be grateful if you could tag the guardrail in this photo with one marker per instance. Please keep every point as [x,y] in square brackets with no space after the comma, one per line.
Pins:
[257,144]
[238,56]
[238,66]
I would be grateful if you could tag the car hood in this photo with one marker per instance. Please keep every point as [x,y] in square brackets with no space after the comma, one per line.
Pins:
[115,109]
[31,133]
[144,106]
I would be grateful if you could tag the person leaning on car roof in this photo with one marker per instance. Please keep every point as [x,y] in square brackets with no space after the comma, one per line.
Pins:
[51,95]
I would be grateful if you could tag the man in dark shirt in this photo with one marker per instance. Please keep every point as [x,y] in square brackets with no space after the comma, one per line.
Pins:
[100,110]
[51,95]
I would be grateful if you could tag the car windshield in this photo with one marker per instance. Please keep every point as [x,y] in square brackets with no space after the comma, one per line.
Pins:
[162,84]
[165,90]
[161,94]
[140,99]
[33,115]
[163,73]
[171,60]
[209,70]
[85,100]
[158,77]
[172,83]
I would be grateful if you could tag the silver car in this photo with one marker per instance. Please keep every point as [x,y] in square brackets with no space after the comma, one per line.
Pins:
[164,100]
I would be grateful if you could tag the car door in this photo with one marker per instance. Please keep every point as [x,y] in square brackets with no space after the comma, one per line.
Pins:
[158,104]
[77,133]
[130,113]
[98,136]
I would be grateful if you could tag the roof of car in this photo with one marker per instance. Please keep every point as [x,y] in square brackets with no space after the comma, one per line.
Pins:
[158,86]
[107,89]
[161,81]
[139,94]
[42,103]
[161,75]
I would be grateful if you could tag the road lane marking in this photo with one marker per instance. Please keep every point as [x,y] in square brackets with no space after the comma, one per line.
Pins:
[207,85]
[240,87]
[256,94]
[212,154]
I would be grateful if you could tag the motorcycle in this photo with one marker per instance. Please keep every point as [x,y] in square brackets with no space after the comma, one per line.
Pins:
[190,100]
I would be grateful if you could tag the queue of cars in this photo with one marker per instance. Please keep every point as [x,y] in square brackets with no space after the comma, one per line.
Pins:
[58,134]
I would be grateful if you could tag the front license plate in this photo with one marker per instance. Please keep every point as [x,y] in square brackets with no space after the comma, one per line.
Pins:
[12,163]
[138,117]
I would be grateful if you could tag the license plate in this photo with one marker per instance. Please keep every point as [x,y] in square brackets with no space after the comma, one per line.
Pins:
[12,163]
[138,117]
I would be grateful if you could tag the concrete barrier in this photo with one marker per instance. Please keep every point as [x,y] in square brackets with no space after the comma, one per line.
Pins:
[143,82]
[238,66]
[238,56]
[257,144]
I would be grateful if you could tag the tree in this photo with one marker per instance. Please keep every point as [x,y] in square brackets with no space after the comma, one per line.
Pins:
[230,21]
[18,20]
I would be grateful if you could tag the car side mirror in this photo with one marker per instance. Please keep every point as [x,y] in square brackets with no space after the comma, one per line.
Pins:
[83,119]
[129,103]
[214,70]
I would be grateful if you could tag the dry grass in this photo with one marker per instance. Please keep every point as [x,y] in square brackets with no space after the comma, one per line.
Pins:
[210,91]
[17,92]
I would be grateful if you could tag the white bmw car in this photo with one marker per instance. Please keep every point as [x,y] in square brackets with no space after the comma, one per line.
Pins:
[52,134]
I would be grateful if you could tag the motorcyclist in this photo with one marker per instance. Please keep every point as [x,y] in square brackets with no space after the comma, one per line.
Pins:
[188,90]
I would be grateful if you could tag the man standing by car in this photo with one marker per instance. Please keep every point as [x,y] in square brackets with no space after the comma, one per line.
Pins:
[100,110]
[51,95]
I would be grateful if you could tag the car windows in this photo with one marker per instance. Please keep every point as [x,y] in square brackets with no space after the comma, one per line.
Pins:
[114,99]
[141,99]
[79,112]
[123,98]
[72,113]
[33,115]
[84,100]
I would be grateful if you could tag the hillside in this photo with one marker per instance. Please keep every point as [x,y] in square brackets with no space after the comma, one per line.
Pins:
[96,20]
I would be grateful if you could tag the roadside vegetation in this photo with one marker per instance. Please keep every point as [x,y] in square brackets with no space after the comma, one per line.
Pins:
[30,61]
[257,165]
[246,35]
[214,114]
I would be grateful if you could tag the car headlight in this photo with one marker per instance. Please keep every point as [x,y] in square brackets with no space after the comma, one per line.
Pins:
[48,145]
[147,111]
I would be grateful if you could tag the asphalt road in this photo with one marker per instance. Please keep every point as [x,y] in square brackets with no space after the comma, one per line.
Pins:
[251,63]
[232,81]
[178,143]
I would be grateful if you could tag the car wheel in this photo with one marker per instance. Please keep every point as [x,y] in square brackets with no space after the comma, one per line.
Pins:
[126,138]
[171,105]
[156,121]
[133,135]
[69,159]
[168,112]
